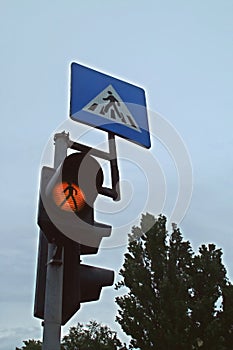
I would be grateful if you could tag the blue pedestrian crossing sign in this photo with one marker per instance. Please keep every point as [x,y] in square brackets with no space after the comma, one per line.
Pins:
[110,104]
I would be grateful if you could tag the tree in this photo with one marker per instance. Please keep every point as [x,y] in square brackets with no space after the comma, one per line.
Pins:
[93,336]
[176,299]
[31,344]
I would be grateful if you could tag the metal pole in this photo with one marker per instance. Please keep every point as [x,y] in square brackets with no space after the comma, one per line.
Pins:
[54,278]
[114,166]
[113,192]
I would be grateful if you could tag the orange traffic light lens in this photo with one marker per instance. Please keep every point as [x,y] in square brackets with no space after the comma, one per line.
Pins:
[69,197]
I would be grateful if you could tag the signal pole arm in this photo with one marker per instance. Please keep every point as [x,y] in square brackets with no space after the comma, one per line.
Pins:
[111,156]
[115,190]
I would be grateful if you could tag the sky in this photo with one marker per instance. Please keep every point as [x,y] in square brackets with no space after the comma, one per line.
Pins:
[180,53]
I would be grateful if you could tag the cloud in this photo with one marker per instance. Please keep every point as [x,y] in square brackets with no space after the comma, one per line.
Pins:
[10,338]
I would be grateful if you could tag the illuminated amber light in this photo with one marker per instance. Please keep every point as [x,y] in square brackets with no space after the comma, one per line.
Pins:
[68,196]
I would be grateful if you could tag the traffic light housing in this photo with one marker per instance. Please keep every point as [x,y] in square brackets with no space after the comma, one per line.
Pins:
[66,206]
[66,218]
[81,283]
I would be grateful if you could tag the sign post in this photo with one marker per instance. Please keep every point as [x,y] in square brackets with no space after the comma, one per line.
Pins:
[54,276]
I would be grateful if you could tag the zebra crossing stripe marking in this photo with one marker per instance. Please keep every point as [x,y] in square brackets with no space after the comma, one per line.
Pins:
[108,104]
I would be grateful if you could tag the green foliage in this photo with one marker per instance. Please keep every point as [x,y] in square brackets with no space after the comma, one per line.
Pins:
[93,336]
[176,299]
[31,344]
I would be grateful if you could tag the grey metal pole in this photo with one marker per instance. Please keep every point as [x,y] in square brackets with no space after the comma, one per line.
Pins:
[114,166]
[54,278]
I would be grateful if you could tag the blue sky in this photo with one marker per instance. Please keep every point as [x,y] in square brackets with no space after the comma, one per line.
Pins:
[180,52]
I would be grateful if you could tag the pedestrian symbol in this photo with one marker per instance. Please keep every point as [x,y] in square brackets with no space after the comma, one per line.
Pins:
[68,197]
[108,104]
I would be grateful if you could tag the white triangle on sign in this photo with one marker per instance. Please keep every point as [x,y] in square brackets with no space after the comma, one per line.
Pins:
[108,104]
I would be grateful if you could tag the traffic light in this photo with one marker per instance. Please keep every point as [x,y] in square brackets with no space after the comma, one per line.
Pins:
[66,218]
[81,283]
[66,207]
